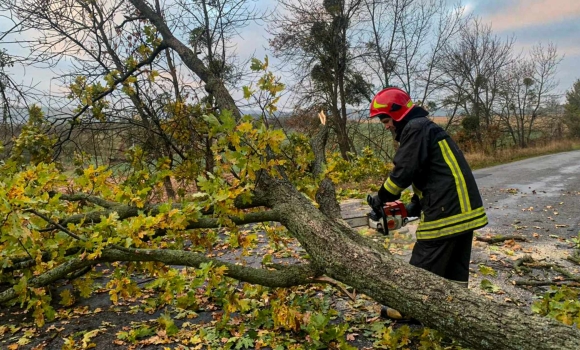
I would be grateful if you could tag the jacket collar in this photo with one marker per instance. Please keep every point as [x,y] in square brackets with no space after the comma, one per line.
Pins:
[416,112]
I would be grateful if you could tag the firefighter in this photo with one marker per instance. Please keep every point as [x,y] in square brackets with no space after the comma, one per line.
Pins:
[446,197]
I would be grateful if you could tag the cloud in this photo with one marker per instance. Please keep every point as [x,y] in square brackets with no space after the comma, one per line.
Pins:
[526,13]
[468,8]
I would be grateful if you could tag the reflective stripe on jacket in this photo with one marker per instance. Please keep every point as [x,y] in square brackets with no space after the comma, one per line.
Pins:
[430,161]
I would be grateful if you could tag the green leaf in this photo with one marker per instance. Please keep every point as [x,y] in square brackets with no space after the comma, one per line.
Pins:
[489,287]
[245,343]
[211,120]
[247,92]
[166,322]
[256,65]
[487,271]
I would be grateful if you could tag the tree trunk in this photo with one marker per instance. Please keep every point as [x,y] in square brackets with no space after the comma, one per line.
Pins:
[341,253]
[340,129]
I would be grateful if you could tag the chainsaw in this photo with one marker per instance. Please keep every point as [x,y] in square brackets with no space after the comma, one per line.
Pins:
[392,216]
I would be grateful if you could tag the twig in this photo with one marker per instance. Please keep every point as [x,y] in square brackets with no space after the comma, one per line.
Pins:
[23,247]
[499,239]
[79,273]
[570,276]
[518,263]
[55,224]
[574,258]
[543,283]
[325,279]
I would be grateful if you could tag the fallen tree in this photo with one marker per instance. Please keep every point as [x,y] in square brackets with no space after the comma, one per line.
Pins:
[335,249]
[340,253]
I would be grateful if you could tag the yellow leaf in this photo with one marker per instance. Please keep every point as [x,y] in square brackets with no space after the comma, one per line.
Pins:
[23,341]
[245,127]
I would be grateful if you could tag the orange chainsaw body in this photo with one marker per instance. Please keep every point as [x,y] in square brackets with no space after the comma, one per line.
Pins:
[395,217]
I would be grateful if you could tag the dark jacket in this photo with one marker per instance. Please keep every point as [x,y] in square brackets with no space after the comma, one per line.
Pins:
[430,161]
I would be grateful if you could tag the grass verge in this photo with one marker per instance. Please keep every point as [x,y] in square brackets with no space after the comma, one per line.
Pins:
[482,160]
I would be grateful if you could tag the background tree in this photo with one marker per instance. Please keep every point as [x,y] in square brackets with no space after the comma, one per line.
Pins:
[526,87]
[316,38]
[471,71]
[404,40]
[572,109]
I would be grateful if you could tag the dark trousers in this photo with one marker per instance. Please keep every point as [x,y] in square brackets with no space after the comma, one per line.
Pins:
[448,258]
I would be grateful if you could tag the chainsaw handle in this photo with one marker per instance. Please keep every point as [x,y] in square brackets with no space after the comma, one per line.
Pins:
[379,212]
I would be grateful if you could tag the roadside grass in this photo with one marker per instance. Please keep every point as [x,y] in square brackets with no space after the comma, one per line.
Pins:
[478,160]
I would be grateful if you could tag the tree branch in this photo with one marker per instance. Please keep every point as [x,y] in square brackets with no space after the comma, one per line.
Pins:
[51,276]
[55,224]
[288,276]
[214,85]
[499,239]
[127,211]
[89,198]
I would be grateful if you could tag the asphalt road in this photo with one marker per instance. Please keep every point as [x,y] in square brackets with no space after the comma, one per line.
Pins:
[540,195]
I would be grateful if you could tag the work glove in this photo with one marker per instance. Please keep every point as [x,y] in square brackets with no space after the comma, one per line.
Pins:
[377,205]
[413,208]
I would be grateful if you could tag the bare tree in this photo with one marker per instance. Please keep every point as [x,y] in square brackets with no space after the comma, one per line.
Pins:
[526,87]
[404,40]
[545,60]
[470,75]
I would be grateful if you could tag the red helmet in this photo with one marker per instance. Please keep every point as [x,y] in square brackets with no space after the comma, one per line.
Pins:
[393,102]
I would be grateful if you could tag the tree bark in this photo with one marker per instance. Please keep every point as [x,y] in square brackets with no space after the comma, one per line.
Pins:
[477,322]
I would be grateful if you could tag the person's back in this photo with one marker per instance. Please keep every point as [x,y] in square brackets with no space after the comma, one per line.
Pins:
[440,176]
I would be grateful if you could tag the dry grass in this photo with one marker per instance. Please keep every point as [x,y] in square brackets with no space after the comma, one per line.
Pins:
[481,160]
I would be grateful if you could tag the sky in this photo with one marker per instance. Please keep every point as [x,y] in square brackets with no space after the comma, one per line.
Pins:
[530,21]
[538,21]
